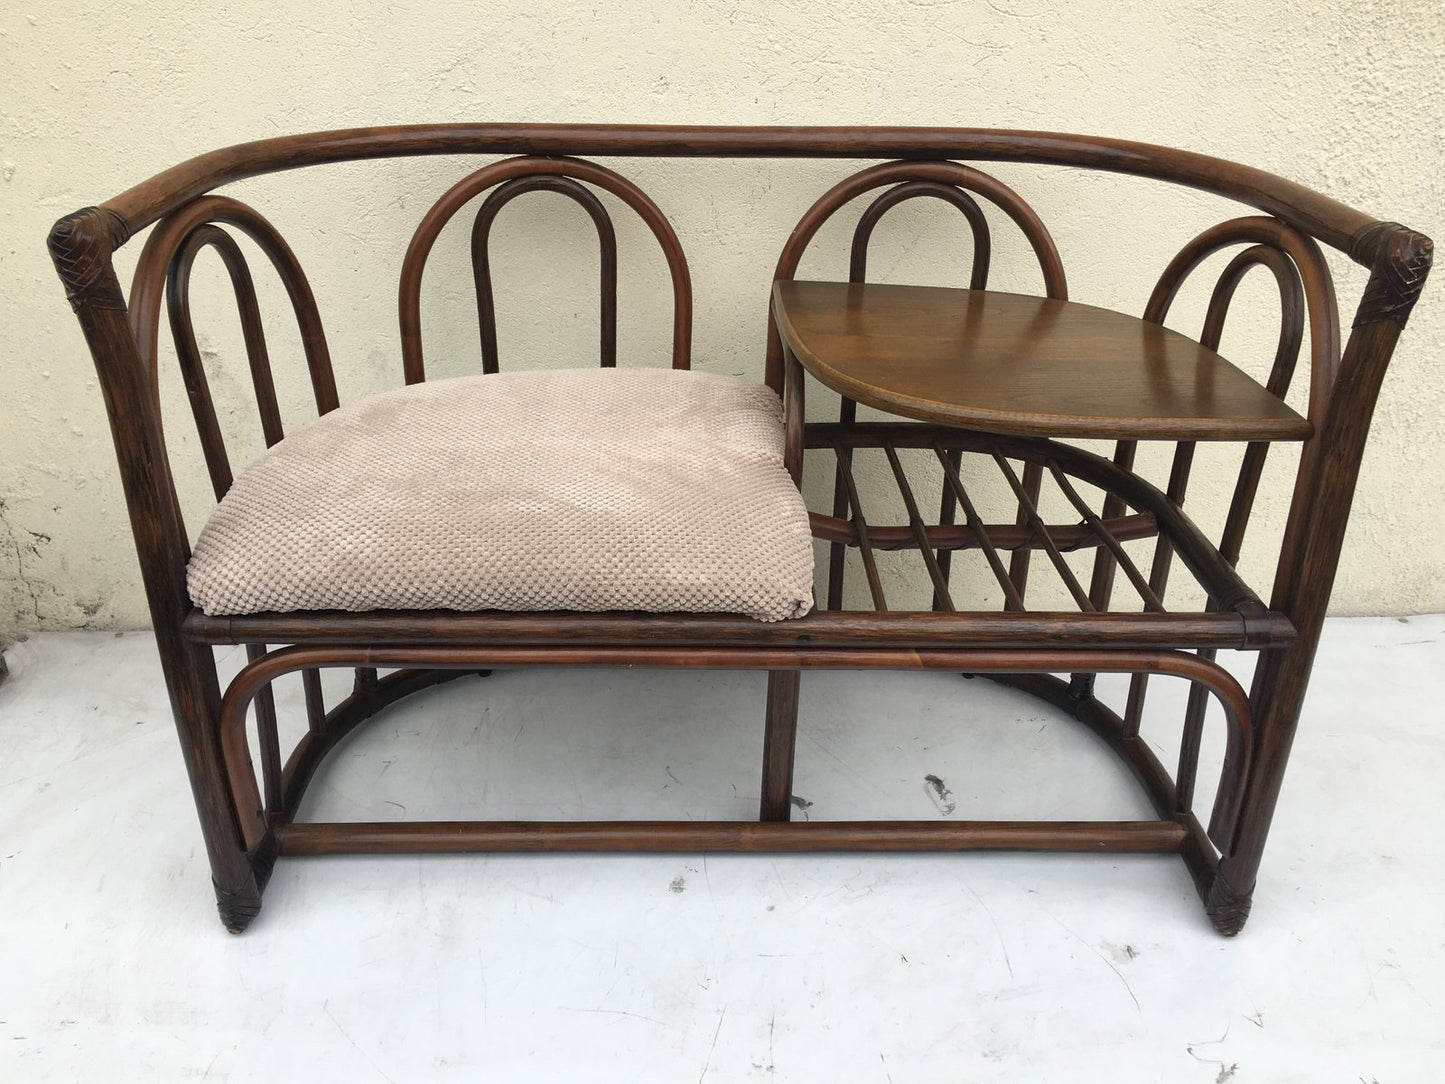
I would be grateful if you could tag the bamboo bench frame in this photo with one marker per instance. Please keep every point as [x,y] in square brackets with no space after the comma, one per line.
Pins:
[247,824]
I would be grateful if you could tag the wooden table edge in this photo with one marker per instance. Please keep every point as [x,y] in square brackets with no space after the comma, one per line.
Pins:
[984,419]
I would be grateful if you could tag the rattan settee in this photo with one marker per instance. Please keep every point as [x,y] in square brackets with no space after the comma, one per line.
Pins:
[707,468]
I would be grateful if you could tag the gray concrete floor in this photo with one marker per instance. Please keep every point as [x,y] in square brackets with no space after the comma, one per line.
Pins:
[675,968]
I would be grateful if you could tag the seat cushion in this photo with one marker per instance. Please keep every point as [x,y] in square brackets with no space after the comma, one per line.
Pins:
[577,489]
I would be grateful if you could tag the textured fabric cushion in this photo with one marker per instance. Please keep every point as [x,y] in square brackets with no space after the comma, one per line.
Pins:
[576,489]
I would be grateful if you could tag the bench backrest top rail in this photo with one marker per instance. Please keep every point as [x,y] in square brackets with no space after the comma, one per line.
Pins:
[1326,219]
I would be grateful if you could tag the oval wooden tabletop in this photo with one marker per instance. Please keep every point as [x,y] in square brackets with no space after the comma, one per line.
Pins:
[1009,363]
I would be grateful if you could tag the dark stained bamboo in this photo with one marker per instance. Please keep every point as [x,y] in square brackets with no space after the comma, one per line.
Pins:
[1151,600]
[231,722]
[847,413]
[1007,536]
[1003,536]
[947,508]
[1021,559]
[1150,774]
[266,737]
[1159,572]
[1316,214]
[1101,584]
[1217,576]
[81,245]
[1304,283]
[1190,741]
[1293,302]
[366,684]
[252,331]
[985,536]
[153,267]
[1310,553]
[860,530]
[941,597]
[1304,288]
[455,198]
[1199,855]
[780,738]
[957,197]
[1309,266]
[1029,512]
[307,755]
[794,424]
[481,260]
[691,631]
[1292,317]
[315,700]
[672,837]
[848,410]
[188,351]
[471,656]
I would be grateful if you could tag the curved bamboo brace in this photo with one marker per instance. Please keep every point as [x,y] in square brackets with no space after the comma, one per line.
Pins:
[1305,291]
[481,261]
[1321,306]
[161,249]
[1292,319]
[1292,302]
[1291,333]
[945,173]
[165,267]
[188,352]
[848,409]
[259,674]
[1310,276]
[863,232]
[938,177]
[414,264]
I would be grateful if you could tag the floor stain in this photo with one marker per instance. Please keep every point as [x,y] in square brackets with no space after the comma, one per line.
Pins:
[939,794]
[1226,1071]
[679,884]
[1122,954]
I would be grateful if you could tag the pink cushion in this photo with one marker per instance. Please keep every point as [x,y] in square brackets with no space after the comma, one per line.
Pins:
[578,489]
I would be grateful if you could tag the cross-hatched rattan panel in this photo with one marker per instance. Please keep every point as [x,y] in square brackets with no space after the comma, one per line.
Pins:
[1036,477]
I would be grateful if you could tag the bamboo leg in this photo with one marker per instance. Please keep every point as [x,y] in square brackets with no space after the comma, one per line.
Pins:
[1277,696]
[779,742]
[237,875]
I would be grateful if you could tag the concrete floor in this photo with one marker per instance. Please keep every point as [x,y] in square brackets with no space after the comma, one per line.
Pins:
[114,967]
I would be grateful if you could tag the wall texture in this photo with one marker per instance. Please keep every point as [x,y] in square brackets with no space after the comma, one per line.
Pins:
[1345,97]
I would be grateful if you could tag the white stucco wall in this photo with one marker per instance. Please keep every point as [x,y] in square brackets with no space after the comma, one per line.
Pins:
[1347,98]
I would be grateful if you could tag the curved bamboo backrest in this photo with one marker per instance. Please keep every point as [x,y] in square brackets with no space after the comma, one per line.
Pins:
[1298,267]
[533,169]
[164,270]
[1313,213]
[481,258]
[950,194]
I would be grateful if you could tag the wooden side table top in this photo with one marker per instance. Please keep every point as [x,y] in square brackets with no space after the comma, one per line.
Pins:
[1010,363]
